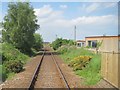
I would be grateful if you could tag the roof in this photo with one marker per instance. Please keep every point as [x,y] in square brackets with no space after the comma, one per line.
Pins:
[102,36]
[80,41]
[46,42]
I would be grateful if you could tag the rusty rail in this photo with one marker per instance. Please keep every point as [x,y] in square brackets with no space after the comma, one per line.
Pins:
[34,77]
[60,72]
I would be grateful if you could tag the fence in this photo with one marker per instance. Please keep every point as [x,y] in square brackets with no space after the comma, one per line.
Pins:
[109,67]
[110,63]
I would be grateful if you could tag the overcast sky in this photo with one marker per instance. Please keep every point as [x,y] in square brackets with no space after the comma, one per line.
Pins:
[59,19]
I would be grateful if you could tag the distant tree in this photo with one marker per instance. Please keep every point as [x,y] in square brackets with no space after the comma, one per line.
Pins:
[71,42]
[59,42]
[19,26]
[38,43]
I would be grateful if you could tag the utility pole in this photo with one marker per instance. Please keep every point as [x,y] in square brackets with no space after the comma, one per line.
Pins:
[75,34]
[56,36]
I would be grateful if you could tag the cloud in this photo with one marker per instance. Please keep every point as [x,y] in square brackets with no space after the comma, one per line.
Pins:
[63,6]
[44,11]
[53,22]
[47,14]
[113,4]
[97,6]
[92,7]
[85,21]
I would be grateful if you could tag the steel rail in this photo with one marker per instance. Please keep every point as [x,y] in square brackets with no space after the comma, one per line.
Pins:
[34,77]
[60,71]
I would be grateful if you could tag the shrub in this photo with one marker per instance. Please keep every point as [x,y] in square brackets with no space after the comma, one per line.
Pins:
[59,42]
[38,43]
[12,60]
[65,49]
[9,52]
[3,73]
[89,70]
[79,62]
[13,66]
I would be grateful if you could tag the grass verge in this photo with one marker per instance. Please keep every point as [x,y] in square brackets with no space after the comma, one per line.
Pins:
[91,73]
[12,61]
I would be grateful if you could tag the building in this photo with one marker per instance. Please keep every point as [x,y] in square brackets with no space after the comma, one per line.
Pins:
[93,42]
[80,43]
[110,54]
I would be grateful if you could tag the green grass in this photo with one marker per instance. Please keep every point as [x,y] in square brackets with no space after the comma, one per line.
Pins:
[10,53]
[91,73]
[10,75]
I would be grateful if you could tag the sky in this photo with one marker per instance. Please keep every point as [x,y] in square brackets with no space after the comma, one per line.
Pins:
[58,19]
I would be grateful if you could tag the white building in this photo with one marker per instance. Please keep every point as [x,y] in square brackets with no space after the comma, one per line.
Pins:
[80,43]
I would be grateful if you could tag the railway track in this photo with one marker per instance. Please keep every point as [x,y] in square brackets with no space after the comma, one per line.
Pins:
[34,77]
[37,76]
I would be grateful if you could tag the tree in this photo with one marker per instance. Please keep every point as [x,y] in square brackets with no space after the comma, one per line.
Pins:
[19,26]
[38,44]
[59,42]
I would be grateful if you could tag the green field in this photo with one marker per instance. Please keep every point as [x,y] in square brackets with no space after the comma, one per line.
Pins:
[91,73]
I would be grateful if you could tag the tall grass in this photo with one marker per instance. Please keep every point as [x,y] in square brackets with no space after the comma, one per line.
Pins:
[91,73]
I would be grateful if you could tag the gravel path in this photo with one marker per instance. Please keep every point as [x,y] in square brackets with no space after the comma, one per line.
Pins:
[48,76]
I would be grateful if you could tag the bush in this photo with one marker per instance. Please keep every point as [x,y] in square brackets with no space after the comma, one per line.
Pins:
[65,49]
[12,60]
[79,62]
[11,53]
[38,43]
[91,71]
[13,66]
[3,73]
[59,42]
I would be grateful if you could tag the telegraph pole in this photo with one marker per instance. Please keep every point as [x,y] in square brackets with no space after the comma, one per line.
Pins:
[56,36]
[75,34]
